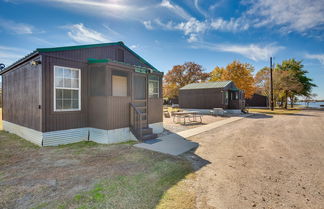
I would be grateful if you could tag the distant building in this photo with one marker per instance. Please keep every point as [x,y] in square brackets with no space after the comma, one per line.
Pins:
[257,100]
[222,94]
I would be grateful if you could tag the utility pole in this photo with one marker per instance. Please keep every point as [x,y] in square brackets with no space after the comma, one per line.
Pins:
[271,86]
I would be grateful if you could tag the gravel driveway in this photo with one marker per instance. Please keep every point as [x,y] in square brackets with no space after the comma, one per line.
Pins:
[266,161]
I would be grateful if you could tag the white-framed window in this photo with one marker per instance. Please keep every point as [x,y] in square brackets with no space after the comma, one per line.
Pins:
[226,97]
[153,87]
[236,95]
[67,89]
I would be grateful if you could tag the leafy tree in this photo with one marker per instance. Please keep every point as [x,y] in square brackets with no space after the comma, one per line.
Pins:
[297,71]
[181,75]
[286,84]
[262,81]
[170,90]
[216,74]
[239,73]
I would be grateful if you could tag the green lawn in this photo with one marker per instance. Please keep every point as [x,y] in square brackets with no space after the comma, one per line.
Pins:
[89,175]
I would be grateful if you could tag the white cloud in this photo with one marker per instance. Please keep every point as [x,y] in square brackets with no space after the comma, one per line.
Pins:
[193,38]
[194,28]
[199,9]
[148,24]
[319,57]
[232,25]
[82,34]
[175,8]
[118,9]
[10,54]
[290,15]
[17,28]
[254,52]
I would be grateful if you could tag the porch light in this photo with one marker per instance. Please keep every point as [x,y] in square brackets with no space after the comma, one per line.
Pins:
[35,62]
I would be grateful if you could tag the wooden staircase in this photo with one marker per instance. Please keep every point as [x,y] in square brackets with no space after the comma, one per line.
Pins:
[138,121]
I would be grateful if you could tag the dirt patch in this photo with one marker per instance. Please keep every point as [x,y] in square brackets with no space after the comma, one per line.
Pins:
[263,161]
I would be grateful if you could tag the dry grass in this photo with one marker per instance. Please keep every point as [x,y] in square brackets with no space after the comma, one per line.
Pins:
[278,111]
[84,175]
[179,196]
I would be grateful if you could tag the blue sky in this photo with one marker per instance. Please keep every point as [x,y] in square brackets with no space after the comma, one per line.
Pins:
[169,32]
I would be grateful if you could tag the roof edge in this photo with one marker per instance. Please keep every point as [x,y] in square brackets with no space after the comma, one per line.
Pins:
[66,48]
[228,82]
[139,57]
[20,61]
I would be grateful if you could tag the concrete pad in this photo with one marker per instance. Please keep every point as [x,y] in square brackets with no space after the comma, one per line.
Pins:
[176,144]
[172,144]
[201,129]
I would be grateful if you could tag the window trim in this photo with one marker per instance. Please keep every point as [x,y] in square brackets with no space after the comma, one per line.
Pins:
[226,95]
[54,89]
[158,88]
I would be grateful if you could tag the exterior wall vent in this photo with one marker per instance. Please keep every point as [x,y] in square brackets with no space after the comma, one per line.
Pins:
[120,55]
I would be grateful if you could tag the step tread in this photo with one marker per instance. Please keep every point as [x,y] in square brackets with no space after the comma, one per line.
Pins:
[149,136]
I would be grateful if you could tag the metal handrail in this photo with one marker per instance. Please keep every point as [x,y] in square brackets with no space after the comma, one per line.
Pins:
[135,120]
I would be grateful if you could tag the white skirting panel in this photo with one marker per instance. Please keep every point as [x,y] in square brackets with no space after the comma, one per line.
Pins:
[55,138]
[111,136]
[26,133]
[157,127]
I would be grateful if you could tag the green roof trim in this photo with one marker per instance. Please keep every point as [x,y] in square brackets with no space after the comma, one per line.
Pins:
[234,89]
[91,60]
[207,85]
[66,48]
[141,70]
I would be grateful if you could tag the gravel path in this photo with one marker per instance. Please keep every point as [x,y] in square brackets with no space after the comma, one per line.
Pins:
[266,161]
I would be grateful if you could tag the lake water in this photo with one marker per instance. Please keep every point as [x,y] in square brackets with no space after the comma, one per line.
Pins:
[313,104]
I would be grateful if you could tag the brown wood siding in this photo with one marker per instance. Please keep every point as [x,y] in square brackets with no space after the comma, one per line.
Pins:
[118,112]
[106,52]
[98,112]
[257,100]
[155,110]
[98,95]
[24,91]
[202,98]
[22,96]
[65,119]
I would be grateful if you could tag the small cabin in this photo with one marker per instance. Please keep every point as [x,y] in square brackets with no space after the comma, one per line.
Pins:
[209,95]
[257,100]
[101,92]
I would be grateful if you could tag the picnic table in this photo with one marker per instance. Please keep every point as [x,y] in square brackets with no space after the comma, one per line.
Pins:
[191,115]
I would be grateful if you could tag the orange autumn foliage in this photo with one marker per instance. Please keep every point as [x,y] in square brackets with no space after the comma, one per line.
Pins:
[239,73]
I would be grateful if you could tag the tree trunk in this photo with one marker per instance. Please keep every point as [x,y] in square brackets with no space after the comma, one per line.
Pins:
[286,98]
[292,101]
